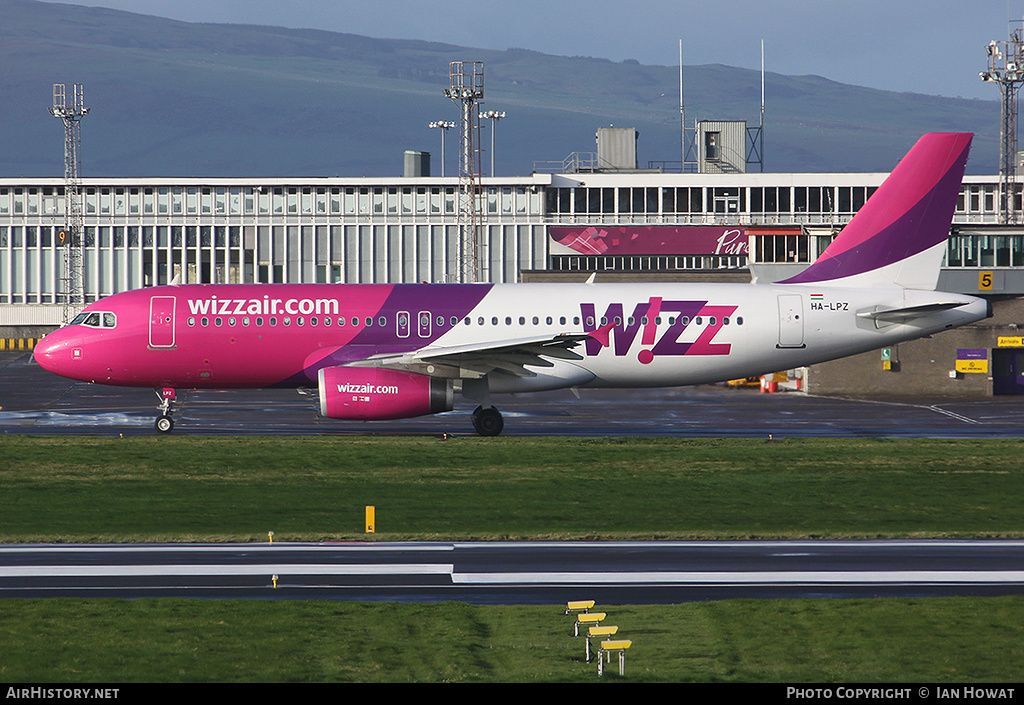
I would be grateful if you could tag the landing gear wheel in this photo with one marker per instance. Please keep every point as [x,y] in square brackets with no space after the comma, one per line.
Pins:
[488,421]
[164,424]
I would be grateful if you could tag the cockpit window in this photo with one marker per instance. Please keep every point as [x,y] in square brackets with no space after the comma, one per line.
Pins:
[95,319]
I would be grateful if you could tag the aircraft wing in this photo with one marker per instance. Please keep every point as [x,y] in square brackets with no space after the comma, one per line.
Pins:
[511,356]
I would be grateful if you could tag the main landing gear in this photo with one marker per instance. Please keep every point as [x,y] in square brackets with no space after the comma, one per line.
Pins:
[487,421]
[164,422]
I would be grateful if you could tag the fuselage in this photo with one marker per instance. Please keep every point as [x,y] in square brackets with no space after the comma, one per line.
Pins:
[267,335]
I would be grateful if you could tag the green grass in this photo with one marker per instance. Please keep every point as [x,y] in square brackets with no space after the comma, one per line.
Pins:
[816,641]
[180,488]
[213,489]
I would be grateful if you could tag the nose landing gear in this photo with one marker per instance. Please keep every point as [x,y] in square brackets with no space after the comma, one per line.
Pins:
[164,422]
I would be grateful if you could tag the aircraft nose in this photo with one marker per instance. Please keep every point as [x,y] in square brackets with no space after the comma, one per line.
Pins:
[52,352]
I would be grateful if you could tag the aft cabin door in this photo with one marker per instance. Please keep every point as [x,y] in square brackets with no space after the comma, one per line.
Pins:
[791,321]
[161,322]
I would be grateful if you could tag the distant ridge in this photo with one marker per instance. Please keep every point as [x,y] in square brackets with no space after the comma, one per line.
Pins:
[172,98]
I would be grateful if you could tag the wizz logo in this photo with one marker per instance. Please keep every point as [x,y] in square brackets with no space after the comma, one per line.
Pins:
[680,314]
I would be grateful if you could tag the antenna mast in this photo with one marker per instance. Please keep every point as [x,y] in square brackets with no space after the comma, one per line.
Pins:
[466,87]
[71,113]
[1006,67]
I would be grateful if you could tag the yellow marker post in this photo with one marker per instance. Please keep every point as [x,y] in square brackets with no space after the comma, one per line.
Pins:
[599,632]
[371,518]
[578,606]
[607,647]
[270,536]
[590,619]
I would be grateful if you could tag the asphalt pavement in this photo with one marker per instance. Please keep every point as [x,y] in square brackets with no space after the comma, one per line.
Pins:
[33,401]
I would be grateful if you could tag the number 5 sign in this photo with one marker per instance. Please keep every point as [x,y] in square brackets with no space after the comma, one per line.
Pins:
[984,281]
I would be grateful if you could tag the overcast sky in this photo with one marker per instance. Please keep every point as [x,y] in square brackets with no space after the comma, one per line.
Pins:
[924,46]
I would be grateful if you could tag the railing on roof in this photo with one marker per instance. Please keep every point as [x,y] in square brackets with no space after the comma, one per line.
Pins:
[575,163]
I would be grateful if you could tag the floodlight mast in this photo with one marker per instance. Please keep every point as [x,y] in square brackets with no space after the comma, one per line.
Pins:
[466,87]
[1006,67]
[71,110]
[493,116]
[444,126]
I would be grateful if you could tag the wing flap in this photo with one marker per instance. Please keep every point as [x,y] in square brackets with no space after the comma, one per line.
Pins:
[511,356]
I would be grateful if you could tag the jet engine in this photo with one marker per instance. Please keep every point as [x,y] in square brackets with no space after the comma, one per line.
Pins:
[373,393]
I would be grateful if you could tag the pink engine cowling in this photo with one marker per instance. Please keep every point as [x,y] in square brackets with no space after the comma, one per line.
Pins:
[371,393]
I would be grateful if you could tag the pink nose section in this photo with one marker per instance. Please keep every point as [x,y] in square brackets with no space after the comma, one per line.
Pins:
[53,353]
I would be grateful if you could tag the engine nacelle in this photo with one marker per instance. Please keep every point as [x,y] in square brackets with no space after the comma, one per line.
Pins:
[373,393]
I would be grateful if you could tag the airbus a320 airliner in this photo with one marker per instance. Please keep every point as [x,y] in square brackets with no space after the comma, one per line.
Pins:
[390,351]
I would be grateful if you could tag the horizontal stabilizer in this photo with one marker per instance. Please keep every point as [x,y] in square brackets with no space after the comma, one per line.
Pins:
[909,313]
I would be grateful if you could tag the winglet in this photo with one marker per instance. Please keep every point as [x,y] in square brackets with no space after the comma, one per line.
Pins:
[899,235]
[603,334]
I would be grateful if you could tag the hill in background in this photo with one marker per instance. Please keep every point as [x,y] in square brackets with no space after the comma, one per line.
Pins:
[171,98]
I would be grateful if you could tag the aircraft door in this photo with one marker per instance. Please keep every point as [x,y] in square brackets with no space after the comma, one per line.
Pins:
[791,321]
[161,322]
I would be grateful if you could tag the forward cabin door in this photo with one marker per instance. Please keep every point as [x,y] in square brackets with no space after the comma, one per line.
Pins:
[791,321]
[161,322]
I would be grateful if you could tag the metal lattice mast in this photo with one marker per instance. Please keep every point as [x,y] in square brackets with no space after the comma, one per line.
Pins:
[71,113]
[1006,67]
[466,87]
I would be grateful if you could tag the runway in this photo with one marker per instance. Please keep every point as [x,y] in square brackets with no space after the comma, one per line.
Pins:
[518,573]
[36,402]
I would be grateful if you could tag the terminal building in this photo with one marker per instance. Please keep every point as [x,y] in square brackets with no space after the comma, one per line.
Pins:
[592,213]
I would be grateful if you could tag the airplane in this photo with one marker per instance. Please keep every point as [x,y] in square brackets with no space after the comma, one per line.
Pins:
[391,351]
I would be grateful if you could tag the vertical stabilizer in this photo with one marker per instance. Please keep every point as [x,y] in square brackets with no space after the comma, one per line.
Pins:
[898,236]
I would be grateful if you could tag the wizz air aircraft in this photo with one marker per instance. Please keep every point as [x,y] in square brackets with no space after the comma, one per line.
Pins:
[391,351]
